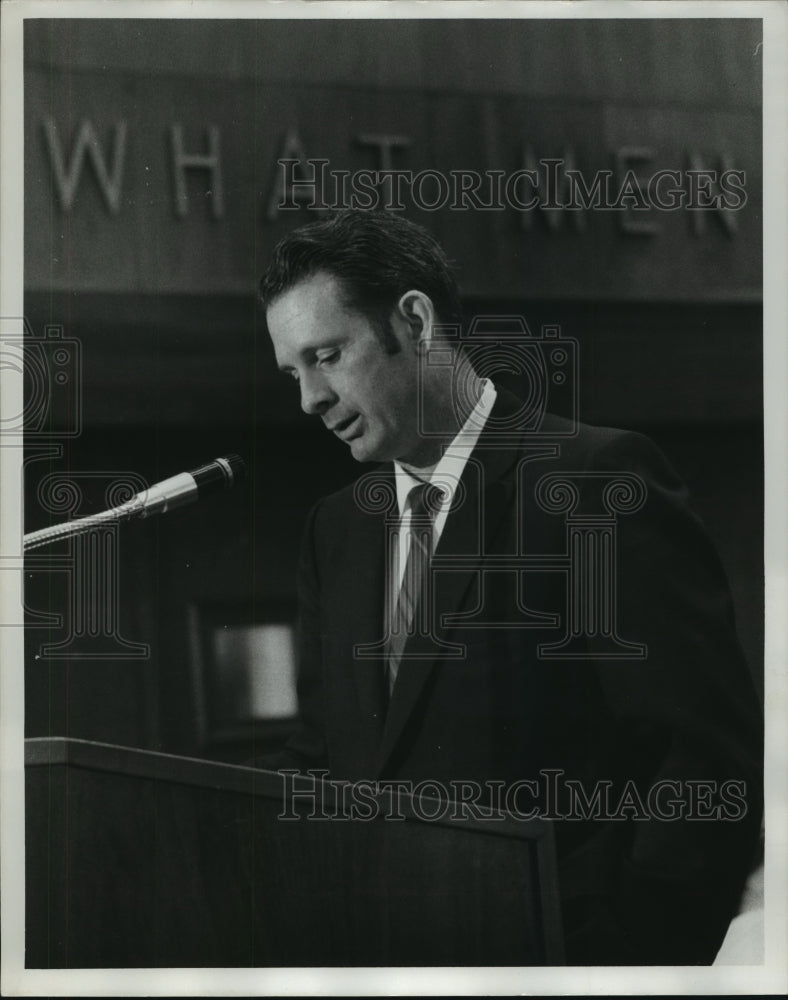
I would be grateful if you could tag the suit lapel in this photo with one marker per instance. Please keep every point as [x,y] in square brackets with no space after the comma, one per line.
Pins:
[361,595]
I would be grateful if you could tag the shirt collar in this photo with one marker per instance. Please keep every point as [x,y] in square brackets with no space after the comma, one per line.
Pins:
[448,472]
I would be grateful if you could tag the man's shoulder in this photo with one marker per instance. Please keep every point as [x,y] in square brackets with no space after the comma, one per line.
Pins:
[590,455]
[577,439]
[372,491]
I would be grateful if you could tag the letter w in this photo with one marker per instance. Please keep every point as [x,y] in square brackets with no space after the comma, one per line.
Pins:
[67,175]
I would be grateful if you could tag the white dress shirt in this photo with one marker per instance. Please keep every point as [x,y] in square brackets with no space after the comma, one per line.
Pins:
[446,475]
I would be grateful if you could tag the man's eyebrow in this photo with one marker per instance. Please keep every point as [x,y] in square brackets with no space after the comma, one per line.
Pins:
[302,356]
[310,351]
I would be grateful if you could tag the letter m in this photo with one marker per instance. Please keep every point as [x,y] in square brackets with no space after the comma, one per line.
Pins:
[581,805]
[67,174]
[581,195]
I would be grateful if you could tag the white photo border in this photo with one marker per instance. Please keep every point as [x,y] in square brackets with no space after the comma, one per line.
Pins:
[772,977]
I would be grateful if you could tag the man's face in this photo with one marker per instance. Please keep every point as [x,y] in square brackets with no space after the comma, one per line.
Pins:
[365,396]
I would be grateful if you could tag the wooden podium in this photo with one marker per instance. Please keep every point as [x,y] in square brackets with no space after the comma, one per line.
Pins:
[140,859]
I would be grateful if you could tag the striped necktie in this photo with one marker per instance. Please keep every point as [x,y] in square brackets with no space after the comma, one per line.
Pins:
[412,613]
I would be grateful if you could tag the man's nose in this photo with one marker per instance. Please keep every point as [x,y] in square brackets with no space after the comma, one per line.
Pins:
[316,393]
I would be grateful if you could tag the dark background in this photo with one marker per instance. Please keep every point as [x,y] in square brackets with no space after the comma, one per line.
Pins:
[176,368]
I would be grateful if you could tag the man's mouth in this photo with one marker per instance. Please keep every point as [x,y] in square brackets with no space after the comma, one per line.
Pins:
[348,428]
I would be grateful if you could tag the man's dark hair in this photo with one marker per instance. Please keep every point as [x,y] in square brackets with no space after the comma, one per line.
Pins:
[376,257]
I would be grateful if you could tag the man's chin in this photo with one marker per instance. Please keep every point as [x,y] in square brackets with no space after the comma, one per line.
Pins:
[365,450]
[361,450]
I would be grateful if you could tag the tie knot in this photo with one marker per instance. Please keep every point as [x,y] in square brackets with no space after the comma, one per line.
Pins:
[425,500]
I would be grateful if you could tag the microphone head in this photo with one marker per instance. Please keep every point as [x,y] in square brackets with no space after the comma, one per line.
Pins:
[221,473]
[237,467]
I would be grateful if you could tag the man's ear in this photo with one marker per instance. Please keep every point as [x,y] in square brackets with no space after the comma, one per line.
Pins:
[415,309]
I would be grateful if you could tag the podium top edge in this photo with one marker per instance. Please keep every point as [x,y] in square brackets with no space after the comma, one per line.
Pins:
[136,762]
[49,751]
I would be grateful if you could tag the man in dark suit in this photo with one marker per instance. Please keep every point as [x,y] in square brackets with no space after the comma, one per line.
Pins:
[547,607]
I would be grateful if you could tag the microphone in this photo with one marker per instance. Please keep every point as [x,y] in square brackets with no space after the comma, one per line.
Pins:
[187,487]
[176,491]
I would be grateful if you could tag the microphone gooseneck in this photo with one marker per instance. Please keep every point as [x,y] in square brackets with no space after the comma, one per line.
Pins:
[176,491]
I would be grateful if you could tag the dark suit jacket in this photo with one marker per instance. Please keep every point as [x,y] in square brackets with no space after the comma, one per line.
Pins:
[634,891]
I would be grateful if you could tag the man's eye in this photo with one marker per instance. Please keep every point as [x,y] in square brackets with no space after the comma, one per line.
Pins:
[328,359]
